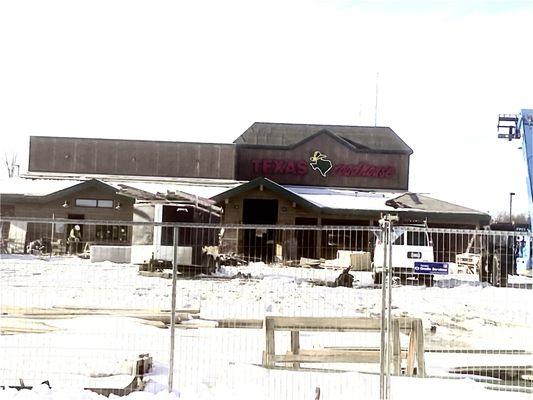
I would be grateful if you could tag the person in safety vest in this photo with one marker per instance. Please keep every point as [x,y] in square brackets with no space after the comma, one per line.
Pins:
[74,238]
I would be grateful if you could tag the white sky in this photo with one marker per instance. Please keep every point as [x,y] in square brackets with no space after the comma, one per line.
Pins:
[206,70]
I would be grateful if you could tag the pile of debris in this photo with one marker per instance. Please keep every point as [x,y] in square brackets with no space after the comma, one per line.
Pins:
[139,368]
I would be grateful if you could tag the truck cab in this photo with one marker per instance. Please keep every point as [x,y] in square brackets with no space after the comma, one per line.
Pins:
[408,246]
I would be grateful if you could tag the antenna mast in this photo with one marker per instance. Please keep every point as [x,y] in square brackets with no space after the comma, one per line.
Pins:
[376,105]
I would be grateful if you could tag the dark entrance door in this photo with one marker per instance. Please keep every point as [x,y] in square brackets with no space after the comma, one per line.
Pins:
[70,226]
[337,239]
[173,213]
[306,239]
[259,244]
[78,246]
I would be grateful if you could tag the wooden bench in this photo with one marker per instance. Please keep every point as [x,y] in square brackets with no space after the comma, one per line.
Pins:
[410,326]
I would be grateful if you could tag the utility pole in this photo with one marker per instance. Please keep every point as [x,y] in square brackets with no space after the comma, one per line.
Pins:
[511,207]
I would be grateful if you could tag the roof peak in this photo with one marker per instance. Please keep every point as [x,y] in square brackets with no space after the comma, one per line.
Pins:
[320,125]
[371,138]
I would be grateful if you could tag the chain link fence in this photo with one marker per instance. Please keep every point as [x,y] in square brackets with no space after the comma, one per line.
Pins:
[278,311]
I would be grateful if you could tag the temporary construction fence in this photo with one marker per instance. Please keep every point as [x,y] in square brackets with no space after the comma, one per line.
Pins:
[278,311]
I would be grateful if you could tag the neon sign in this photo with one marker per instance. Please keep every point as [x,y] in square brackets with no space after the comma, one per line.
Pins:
[271,167]
[320,163]
[279,167]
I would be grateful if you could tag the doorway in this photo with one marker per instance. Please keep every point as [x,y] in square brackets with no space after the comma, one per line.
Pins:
[77,247]
[259,244]
[306,240]
[174,213]
[70,226]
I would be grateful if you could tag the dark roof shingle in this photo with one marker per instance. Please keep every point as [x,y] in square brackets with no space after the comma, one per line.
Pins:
[283,134]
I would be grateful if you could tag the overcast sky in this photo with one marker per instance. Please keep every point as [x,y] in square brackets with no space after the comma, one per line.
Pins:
[206,70]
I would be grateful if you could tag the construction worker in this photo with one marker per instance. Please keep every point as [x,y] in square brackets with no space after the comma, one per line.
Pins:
[74,238]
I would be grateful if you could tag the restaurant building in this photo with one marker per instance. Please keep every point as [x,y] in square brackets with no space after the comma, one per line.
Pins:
[295,174]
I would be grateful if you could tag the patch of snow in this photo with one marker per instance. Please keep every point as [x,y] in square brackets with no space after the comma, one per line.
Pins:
[219,363]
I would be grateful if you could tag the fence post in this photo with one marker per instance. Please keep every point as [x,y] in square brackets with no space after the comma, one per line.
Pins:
[52,235]
[173,308]
[389,308]
[383,345]
[386,302]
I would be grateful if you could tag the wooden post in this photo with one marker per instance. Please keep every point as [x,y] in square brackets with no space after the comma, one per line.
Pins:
[295,346]
[421,364]
[411,351]
[270,345]
[416,349]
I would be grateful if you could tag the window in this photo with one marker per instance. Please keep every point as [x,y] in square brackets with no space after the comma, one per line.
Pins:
[94,203]
[105,203]
[397,237]
[117,233]
[86,203]
[417,239]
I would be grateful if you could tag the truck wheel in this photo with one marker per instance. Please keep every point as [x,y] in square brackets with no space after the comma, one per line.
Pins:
[499,270]
[428,280]
[495,269]
[484,274]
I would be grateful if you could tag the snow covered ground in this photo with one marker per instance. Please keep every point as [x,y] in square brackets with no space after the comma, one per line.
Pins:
[81,351]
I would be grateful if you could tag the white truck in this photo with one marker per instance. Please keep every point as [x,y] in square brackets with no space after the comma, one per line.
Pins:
[408,246]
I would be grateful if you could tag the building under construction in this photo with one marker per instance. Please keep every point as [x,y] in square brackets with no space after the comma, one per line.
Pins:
[286,174]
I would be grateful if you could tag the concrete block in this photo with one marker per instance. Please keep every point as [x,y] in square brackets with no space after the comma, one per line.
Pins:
[116,254]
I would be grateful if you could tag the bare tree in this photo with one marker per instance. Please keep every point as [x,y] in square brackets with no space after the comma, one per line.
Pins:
[13,168]
[503,217]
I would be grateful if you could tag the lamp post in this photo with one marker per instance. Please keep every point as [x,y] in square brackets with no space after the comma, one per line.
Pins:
[511,194]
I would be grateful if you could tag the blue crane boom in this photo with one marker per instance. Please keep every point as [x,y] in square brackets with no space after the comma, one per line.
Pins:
[511,126]
[527,135]
[521,127]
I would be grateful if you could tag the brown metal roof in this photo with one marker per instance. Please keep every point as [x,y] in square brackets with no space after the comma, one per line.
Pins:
[353,202]
[421,202]
[363,137]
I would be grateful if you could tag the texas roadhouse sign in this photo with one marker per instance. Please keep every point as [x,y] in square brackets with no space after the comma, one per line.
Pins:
[320,163]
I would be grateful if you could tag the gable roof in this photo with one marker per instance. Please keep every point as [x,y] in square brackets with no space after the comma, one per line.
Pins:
[21,189]
[353,202]
[42,188]
[361,137]
[322,132]
[271,185]
[346,201]
[424,203]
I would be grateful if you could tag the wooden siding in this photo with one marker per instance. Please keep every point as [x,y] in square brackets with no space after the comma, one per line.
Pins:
[36,209]
[131,157]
